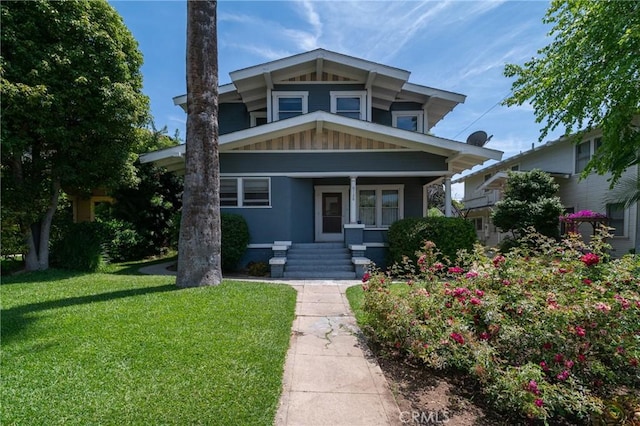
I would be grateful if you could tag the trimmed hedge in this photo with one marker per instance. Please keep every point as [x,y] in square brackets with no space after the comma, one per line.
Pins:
[450,234]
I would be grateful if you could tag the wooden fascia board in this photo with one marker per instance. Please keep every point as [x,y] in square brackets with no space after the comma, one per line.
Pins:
[435,93]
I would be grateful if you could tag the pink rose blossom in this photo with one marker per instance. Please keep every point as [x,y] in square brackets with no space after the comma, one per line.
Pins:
[455,270]
[544,366]
[479,293]
[564,375]
[539,402]
[475,301]
[484,336]
[580,331]
[366,277]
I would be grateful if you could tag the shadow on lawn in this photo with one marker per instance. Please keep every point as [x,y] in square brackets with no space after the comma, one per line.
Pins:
[14,320]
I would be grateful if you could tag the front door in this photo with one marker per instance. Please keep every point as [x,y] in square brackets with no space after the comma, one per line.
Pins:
[331,212]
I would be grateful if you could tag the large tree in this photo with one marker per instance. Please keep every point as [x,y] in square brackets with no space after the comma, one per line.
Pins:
[71,100]
[588,77]
[199,260]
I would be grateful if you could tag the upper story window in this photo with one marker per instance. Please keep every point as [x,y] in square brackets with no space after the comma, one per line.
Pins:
[258,118]
[585,151]
[350,104]
[289,104]
[408,120]
[583,155]
[245,192]
[515,168]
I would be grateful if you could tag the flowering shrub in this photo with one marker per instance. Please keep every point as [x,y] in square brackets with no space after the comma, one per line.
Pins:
[546,332]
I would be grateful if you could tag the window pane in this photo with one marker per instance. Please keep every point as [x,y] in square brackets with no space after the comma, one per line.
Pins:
[583,152]
[290,104]
[389,207]
[255,192]
[348,104]
[228,192]
[615,213]
[348,107]
[407,122]
[261,120]
[367,207]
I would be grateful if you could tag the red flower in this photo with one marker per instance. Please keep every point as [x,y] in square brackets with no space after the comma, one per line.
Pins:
[498,260]
[366,277]
[558,358]
[455,270]
[580,331]
[539,402]
[479,293]
[563,376]
[484,336]
[587,281]
[476,301]
[590,259]
[457,337]
[533,387]
[544,366]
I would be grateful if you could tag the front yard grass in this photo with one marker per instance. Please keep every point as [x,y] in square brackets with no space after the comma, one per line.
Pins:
[130,349]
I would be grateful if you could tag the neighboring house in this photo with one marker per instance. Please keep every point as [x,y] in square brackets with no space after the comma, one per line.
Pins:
[564,160]
[323,147]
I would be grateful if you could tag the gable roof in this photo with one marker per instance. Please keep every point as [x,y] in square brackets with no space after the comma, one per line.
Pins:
[460,156]
[386,84]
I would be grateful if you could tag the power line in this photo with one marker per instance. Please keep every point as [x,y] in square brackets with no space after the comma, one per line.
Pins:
[483,114]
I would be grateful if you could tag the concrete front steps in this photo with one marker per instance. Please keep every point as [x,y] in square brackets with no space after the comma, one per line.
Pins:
[319,261]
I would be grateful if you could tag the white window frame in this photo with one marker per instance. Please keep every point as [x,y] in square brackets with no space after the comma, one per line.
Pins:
[419,114]
[255,115]
[277,95]
[240,192]
[378,190]
[362,94]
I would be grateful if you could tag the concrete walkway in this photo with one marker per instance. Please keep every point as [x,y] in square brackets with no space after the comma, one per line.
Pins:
[330,377]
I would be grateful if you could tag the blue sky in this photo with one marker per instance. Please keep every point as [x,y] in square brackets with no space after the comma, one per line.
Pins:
[461,46]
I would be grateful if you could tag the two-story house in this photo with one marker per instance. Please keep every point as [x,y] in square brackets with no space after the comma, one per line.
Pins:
[565,161]
[322,147]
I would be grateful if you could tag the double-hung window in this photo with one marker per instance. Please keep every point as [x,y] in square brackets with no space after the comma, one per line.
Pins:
[350,104]
[289,104]
[408,120]
[380,206]
[583,155]
[245,192]
[615,213]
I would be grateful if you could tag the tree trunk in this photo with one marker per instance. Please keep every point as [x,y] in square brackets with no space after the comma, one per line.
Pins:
[37,258]
[199,259]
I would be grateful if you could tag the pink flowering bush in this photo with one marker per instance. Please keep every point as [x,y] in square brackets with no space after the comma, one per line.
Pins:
[547,332]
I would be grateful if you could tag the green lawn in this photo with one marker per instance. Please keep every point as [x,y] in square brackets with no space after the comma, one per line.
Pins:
[130,349]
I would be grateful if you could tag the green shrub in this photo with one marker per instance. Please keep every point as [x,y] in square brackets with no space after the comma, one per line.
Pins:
[80,247]
[235,238]
[450,234]
[123,241]
[547,331]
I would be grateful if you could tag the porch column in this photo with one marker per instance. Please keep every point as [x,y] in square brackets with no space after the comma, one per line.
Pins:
[352,200]
[447,196]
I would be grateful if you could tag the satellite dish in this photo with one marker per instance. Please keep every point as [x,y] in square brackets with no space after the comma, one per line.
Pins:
[478,138]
